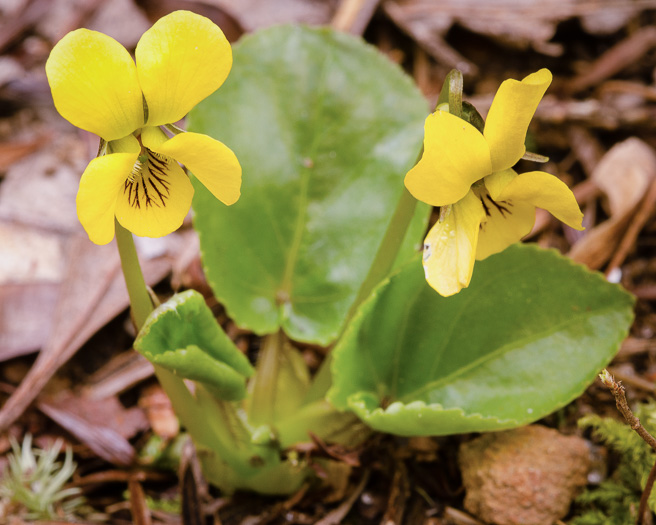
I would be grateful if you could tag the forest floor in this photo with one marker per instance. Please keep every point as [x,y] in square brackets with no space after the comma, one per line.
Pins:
[66,365]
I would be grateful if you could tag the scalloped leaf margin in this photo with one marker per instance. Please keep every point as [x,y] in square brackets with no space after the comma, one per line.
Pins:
[527,337]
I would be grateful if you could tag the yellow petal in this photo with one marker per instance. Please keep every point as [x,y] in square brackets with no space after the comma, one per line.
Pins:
[450,246]
[548,192]
[506,223]
[127,144]
[212,162]
[497,182]
[153,137]
[509,116]
[94,84]
[156,199]
[99,188]
[181,60]
[455,156]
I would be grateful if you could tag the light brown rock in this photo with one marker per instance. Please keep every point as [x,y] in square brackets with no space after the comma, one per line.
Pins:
[526,476]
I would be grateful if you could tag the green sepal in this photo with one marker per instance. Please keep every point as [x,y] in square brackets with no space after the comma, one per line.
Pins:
[451,92]
[535,157]
[470,114]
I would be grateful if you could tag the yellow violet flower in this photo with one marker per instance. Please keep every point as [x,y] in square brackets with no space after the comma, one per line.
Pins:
[487,206]
[97,86]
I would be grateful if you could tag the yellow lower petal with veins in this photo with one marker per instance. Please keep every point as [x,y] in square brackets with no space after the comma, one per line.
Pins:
[545,191]
[450,246]
[155,198]
[212,162]
[99,187]
[506,222]
[153,137]
[497,182]
[455,156]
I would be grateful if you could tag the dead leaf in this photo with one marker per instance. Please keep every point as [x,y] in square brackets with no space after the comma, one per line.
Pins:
[67,15]
[429,32]
[605,18]
[638,220]
[617,58]
[255,14]
[526,24]
[14,150]
[40,189]
[103,426]
[25,317]
[624,174]
[10,69]
[220,15]
[12,27]
[30,255]
[92,293]
[121,19]
[122,372]
[108,412]
[159,412]
[353,16]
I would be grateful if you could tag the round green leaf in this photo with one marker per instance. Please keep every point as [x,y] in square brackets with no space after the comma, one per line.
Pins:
[183,336]
[528,335]
[325,128]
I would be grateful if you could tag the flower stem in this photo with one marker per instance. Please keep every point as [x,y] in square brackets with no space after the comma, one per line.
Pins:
[225,435]
[388,249]
[380,268]
[140,299]
[264,384]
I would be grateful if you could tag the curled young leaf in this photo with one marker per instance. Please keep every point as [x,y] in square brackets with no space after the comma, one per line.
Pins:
[183,336]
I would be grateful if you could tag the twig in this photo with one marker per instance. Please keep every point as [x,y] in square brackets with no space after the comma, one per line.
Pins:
[644,499]
[620,400]
[630,378]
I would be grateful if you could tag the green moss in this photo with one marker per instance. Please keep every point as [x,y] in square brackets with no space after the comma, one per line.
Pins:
[615,501]
[32,483]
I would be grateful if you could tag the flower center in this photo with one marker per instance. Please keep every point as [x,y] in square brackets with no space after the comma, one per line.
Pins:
[148,184]
[503,207]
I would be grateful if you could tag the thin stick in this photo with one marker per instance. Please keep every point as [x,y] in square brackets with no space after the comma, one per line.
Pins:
[622,405]
[644,499]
